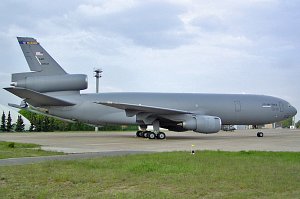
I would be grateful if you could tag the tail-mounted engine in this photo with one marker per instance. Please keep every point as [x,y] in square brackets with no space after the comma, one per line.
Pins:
[51,83]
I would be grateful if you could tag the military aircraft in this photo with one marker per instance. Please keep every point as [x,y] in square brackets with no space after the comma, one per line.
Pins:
[50,90]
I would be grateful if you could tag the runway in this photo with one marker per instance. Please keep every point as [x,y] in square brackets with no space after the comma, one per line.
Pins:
[86,142]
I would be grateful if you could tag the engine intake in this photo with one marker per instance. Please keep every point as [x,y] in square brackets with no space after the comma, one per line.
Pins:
[66,82]
[203,124]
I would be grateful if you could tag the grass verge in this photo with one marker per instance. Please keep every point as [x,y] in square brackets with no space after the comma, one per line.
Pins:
[15,150]
[207,174]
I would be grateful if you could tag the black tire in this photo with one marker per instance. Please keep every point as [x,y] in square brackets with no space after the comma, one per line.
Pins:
[139,134]
[151,135]
[146,134]
[161,136]
[260,134]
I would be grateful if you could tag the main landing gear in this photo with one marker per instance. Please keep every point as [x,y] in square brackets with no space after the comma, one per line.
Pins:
[149,134]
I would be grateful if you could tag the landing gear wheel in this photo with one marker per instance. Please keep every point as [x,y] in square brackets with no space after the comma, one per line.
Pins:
[260,134]
[146,134]
[139,134]
[161,135]
[151,135]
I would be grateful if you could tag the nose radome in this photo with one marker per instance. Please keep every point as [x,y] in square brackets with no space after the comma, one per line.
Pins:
[294,110]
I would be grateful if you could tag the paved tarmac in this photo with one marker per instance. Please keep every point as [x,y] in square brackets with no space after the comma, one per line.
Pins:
[83,142]
[93,144]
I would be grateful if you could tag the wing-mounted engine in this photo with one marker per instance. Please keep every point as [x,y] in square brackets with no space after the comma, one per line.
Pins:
[203,124]
[50,83]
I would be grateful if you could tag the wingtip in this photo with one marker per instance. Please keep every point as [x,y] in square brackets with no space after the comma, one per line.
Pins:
[7,88]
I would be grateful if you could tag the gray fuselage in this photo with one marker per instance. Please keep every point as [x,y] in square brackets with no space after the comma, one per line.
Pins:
[233,109]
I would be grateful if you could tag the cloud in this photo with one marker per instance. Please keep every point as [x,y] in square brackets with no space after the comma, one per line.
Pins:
[151,24]
[100,8]
[209,23]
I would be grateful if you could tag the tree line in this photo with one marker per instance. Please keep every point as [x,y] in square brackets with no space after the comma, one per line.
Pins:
[8,126]
[298,124]
[42,123]
[289,122]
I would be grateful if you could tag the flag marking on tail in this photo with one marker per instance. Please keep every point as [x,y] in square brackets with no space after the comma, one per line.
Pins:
[29,42]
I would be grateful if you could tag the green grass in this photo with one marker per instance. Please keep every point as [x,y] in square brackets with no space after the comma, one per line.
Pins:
[206,174]
[15,150]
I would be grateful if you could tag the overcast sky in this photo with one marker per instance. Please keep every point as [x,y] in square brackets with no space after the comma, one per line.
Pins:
[249,46]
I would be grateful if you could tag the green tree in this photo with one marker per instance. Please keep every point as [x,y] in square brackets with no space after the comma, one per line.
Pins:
[31,128]
[20,124]
[8,123]
[3,122]
[298,124]
[38,124]
[287,123]
[45,124]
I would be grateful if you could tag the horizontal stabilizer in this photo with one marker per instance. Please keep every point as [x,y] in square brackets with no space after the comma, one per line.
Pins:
[38,111]
[37,99]
[15,106]
[133,109]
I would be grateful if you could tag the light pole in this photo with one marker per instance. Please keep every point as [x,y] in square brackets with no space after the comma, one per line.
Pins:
[294,122]
[98,74]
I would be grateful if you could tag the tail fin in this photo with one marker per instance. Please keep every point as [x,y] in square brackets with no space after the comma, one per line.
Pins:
[38,60]
[46,74]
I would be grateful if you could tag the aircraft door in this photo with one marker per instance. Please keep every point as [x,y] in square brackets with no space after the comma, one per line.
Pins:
[237,107]
[281,106]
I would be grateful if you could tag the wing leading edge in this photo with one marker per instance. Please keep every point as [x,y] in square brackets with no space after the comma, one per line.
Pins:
[134,109]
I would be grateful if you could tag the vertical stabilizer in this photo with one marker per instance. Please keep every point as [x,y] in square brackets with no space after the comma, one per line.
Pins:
[46,74]
[38,58]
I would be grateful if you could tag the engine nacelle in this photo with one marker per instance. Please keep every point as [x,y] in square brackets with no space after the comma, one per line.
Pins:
[67,82]
[203,124]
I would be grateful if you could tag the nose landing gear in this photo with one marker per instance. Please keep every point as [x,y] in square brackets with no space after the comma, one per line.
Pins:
[260,134]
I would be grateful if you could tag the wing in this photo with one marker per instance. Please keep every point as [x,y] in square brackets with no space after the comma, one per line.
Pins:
[134,109]
[37,99]
[148,114]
